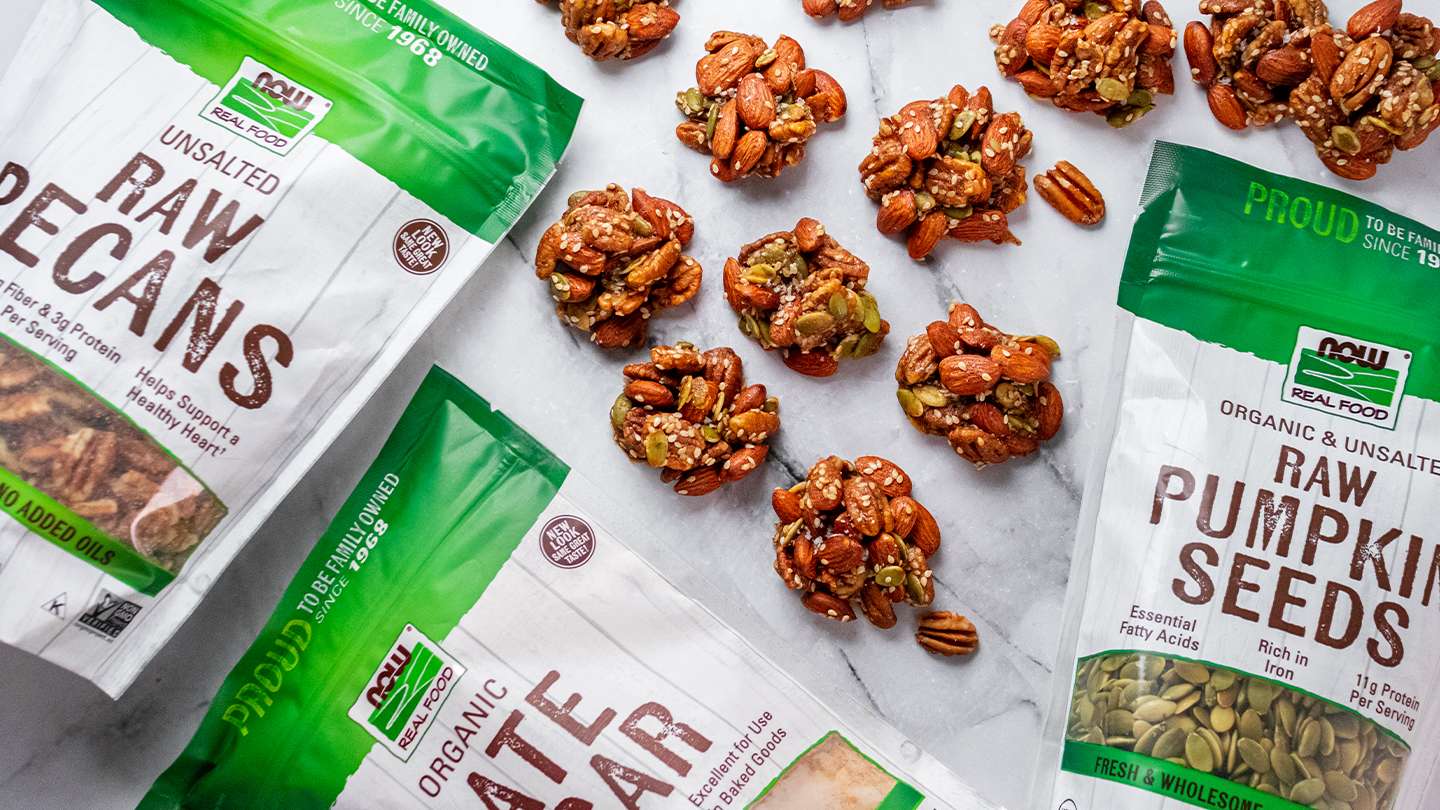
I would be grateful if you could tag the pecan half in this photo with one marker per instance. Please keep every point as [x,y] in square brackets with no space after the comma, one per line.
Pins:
[799,292]
[846,10]
[852,532]
[988,394]
[1070,192]
[754,107]
[945,633]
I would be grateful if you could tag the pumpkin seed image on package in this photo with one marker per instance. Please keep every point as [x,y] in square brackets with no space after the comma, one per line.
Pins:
[189,311]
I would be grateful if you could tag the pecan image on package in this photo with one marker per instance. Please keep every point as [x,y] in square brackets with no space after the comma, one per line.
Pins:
[1110,57]
[803,294]
[690,414]
[987,392]
[851,534]
[616,29]
[948,166]
[79,451]
[1359,95]
[846,10]
[754,107]
[614,260]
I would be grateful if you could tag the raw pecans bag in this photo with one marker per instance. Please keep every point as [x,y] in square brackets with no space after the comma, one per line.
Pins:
[219,230]
[1254,614]
[466,634]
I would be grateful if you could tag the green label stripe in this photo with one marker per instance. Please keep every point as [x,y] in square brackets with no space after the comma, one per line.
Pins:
[453,117]
[61,527]
[1165,778]
[1243,258]
[901,797]
[464,485]
[1347,379]
[399,704]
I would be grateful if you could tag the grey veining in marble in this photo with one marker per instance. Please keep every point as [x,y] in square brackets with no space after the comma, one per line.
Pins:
[1008,530]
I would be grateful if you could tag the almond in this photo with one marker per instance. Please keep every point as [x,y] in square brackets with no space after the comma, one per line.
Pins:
[1373,18]
[926,533]
[749,150]
[864,505]
[877,606]
[1226,106]
[805,556]
[885,474]
[902,514]
[1160,41]
[1199,50]
[812,364]
[1010,48]
[985,225]
[828,606]
[969,374]
[897,212]
[944,339]
[823,485]
[840,553]
[789,60]
[988,418]
[650,21]
[743,462]
[917,130]
[786,505]
[1022,362]
[613,333]
[698,482]
[1041,42]
[1033,10]
[1285,67]
[827,102]
[808,233]
[1326,53]
[820,8]
[719,71]
[927,234]
[750,398]
[727,131]
[1052,410]
[755,102]
[1037,84]
[884,550]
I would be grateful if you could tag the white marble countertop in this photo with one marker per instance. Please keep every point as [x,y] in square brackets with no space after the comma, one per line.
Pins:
[1008,530]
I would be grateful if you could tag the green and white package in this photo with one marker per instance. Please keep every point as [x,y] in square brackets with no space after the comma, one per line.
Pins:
[467,635]
[221,225]
[1253,619]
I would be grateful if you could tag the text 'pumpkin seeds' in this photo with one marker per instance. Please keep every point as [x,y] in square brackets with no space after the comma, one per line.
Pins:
[1255,599]
[219,231]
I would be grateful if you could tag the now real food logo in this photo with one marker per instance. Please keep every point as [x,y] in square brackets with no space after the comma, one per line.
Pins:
[1348,377]
[267,107]
[404,694]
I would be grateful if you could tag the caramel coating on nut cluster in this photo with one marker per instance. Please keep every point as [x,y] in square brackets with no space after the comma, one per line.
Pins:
[948,166]
[987,392]
[754,107]
[1109,57]
[1359,94]
[799,292]
[614,260]
[851,534]
[690,414]
[617,29]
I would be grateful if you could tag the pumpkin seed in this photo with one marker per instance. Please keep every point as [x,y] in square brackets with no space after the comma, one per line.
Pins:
[813,323]
[657,448]
[1345,139]
[760,273]
[872,313]
[1112,89]
[890,576]
[910,403]
[1254,755]
[1308,791]
[932,396]
[620,410]
[1198,754]
[838,307]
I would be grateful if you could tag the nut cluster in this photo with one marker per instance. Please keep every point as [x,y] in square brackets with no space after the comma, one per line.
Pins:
[847,10]
[74,447]
[614,259]
[802,293]
[987,392]
[948,166]
[617,29]
[754,107]
[1110,57]
[690,414]
[1358,95]
[1246,729]
[852,533]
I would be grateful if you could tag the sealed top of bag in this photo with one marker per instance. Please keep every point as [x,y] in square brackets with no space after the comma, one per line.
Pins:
[219,230]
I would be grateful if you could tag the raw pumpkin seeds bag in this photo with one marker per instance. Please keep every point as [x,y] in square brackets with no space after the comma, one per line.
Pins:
[466,634]
[220,228]
[1254,613]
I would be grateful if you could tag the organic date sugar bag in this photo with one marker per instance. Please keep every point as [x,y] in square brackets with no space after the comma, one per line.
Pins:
[220,228]
[1254,614]
[467,635]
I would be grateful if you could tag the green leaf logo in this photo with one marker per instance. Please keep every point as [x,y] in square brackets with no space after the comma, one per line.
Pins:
[266,110]
[1346,378]
[404,696]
